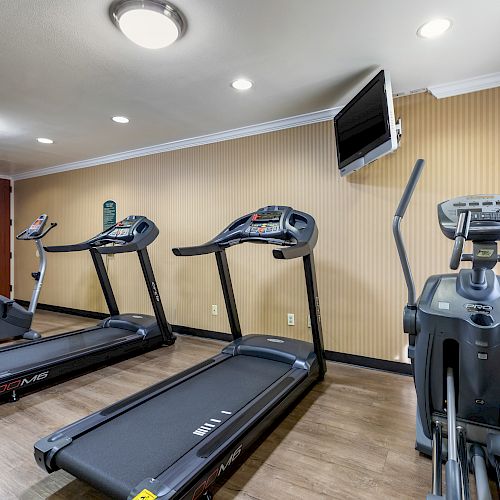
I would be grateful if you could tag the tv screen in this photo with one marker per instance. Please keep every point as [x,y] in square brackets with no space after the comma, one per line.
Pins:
[365,128]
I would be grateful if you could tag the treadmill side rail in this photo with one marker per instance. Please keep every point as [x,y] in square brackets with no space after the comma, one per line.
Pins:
[47,448]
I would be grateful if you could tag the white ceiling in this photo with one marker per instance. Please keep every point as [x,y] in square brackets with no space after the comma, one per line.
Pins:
[65,69]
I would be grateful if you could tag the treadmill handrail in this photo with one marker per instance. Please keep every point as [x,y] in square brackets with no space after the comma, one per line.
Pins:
[299,249]
[207,248]
[118,247]
[77,247]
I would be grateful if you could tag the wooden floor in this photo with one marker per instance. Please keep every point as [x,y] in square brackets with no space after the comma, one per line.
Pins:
[351,437]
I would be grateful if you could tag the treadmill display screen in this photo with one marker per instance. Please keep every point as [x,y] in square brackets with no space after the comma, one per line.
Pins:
[267,216]
[125,223]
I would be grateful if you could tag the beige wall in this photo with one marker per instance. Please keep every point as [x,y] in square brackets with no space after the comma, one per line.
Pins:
[193,193]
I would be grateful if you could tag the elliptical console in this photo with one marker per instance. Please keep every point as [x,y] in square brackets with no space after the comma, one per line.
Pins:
[454,344]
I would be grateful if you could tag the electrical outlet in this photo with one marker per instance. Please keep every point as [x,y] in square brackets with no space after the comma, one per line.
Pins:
[291,319]
[308,321]
[215,310]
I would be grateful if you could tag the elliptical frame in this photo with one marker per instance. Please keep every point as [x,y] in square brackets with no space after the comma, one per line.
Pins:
[464,443]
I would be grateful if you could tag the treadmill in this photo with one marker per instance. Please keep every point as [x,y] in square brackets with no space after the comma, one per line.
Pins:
[28,366]
[176,438]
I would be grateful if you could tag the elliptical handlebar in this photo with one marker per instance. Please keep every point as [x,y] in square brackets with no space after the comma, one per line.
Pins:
[396,229]
[205,249]
[461,234]
[410,187]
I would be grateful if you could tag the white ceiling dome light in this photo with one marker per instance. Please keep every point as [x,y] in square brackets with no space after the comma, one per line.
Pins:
[242,84]
[434,28]
[152,24]
[120,119]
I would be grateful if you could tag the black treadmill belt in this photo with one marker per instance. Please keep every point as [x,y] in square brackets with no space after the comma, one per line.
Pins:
[146,440]
[39,353]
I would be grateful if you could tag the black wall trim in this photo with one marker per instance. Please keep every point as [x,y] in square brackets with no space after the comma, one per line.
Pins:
[365,362]
[339,357]
[66,310]
[205,334]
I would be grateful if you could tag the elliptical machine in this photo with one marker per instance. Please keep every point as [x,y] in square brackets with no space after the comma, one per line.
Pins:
[454,347]
[15,320]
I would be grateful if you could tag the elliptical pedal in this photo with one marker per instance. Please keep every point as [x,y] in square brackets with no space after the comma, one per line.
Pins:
[464,462]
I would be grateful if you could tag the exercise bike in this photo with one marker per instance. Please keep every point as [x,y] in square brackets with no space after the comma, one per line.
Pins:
[15,320]
[454,347]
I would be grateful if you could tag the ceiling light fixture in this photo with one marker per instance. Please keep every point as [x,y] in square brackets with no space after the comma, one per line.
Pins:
[434,28]
[242,84]
[152,24]
[120,119]
[44,140]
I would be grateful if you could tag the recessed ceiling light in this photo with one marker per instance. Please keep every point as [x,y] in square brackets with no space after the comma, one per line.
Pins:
[44,140]
[152,24]
[120,119]
[242,84]
[434,28]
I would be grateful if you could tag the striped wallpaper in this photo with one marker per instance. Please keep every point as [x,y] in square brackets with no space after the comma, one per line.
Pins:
[193,193]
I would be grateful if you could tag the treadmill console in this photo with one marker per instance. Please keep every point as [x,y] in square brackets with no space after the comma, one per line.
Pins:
[36,228]
[123,230]
[274,224]
[131,234]
[263,223]
[484,216]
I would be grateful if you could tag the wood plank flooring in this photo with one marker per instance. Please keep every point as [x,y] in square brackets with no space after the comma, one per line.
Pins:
[351,437]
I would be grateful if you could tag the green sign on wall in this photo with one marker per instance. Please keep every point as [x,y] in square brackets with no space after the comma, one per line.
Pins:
[108,214]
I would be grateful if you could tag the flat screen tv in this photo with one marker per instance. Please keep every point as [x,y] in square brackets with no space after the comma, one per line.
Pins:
[365,128]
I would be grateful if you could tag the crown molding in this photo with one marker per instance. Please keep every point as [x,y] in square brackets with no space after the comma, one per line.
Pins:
[474,84]
[237,133]
[441,91]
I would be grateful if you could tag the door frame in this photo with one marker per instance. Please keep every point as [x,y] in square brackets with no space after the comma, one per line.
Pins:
[11,232]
